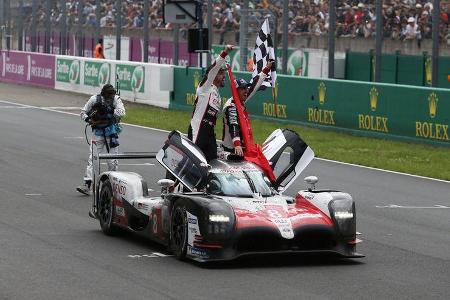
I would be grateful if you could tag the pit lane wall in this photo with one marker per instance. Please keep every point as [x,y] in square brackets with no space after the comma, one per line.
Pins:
[418,114]
[141,82]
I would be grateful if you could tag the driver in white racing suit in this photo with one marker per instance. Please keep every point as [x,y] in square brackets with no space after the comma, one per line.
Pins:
[207,106]
[102,112]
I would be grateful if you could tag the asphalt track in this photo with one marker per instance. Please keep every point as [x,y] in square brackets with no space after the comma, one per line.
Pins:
[51,249]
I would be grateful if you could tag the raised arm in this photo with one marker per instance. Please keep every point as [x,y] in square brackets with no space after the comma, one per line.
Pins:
[259,80]
[212,71]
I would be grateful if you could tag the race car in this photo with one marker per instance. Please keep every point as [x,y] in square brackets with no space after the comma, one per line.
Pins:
[227,208]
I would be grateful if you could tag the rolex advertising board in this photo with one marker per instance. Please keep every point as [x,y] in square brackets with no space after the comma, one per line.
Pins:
[369,109]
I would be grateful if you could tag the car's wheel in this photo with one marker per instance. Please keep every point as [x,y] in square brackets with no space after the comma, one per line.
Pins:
[105,208]
[178,231]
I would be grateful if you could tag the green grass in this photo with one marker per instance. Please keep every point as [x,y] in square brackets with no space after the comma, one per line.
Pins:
[398,156]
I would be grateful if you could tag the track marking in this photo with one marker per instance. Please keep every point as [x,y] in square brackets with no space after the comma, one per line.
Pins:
[33,194]
[151,255]
[412,207]
[144,164]
[39,107]
[320,159]
[73,137]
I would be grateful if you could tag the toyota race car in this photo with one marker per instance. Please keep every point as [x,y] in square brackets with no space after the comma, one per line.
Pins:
[227,208]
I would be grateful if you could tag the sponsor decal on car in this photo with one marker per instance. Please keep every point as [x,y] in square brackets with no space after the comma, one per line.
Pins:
[198,252]
[120,211]
[193,228]
[284,225]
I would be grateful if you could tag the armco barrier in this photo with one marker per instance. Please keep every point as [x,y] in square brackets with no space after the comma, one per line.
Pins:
[27,68]
[418,114]
[141,82]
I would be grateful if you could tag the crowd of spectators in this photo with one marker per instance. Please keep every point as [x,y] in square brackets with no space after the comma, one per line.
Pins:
[402,19]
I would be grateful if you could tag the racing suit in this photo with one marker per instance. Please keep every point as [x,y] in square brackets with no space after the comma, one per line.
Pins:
[207,106]
[103,137]
[231,133]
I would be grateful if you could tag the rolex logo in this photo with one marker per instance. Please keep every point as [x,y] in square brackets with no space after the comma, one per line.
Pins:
[432,104]
[373,98]
[322,92]
[275,91]
[428,70]
[196,79]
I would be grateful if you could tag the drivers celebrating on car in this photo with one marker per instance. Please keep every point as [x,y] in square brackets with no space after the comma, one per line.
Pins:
[231,140]
[103,113]
[207,106]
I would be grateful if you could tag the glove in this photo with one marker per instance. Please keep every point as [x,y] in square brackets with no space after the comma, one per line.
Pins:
[87,119]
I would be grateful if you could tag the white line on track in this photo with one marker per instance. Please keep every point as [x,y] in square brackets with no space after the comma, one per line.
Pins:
[167,131]
[143,164]
[38,107]
[151,255]
[33,194]
[73,137]
[416,207]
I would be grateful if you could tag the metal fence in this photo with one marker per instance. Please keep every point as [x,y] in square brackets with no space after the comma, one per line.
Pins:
[74,26]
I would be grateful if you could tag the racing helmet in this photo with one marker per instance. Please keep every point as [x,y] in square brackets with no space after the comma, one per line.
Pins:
[108,91]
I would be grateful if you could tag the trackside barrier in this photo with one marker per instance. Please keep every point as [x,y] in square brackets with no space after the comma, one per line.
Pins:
[27,68]
[397,68]
[141,82]
[419,114]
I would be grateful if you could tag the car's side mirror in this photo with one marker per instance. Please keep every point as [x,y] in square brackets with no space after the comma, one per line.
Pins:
[311,180]
[165,183]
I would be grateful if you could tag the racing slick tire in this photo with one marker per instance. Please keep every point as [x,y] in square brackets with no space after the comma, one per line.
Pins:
[179,231]
[105,208]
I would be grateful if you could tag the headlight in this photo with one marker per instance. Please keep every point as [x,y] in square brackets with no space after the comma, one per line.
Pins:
[219,218]
[343,215]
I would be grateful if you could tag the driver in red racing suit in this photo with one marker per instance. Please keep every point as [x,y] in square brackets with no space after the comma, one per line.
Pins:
[207,106]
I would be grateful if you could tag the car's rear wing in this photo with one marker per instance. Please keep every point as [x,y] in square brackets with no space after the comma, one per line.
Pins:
[98,157]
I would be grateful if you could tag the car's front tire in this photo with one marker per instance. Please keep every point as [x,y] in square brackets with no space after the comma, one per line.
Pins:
[105,208]
[179,231]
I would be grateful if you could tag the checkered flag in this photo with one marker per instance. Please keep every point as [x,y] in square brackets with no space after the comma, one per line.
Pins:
[261,55]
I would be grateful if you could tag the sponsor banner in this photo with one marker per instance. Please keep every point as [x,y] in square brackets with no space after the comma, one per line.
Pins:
[382,110]
[97,73]
[28,68]
[161,52]
[131,77]
[68,70]
[56,40]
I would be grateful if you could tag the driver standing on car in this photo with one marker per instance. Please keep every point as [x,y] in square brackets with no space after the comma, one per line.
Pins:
[207,106]
[231,132]
[102,112]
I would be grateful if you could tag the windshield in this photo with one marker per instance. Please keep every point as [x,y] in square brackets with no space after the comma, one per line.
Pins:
[239,184]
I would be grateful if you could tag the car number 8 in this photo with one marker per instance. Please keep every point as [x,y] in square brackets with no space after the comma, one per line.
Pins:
[274,214]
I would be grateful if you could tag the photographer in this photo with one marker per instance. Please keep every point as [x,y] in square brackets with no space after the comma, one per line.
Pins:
[102,112]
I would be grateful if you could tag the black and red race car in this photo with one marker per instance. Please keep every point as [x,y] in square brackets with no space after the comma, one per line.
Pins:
[228,208]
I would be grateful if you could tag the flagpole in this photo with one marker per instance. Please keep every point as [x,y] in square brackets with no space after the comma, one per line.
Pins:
[274,94]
